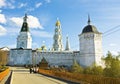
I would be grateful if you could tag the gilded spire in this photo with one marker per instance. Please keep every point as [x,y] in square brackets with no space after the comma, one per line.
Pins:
[58,22]
[89,20]
[57,45]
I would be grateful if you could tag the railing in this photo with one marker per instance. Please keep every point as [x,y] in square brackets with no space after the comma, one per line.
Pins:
[3,74]
[81,78]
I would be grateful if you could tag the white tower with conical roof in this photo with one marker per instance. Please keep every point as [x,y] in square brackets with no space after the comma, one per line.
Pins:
[22,55]
[24,39]
[90,45]
[57,45]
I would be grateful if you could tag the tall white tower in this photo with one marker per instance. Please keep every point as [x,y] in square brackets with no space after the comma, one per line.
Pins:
[57,45]
[90,45]
[67,44]
[24,39]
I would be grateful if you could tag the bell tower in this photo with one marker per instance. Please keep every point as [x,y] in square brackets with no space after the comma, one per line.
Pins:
[57,45]
[24,39]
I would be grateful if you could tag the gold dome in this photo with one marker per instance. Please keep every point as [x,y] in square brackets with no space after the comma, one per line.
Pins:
[43,47]
[57,23]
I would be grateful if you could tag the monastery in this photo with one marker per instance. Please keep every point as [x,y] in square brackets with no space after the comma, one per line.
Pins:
[90,48]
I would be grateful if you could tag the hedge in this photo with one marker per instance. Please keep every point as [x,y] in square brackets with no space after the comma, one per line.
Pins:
[81,78]
[3,74]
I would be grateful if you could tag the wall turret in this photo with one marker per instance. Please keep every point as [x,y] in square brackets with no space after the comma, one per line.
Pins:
[90,45]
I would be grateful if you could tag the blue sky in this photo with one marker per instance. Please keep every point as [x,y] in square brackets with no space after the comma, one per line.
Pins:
[73,14]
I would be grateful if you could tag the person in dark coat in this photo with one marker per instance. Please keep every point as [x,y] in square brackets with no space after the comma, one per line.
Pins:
[30,70]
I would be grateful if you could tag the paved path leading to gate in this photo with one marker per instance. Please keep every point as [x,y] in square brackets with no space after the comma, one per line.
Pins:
[22,76]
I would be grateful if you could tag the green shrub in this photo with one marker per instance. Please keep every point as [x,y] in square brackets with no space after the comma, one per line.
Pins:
[2,68]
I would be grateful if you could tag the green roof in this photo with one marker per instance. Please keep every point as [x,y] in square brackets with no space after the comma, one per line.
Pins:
[25,27]
[43,60]
[90,28]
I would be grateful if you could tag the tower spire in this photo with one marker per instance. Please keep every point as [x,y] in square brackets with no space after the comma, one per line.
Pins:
[67,44]
[24,39]
[57,45]
[25,18]
[58,22]
[89,19]
[25,27]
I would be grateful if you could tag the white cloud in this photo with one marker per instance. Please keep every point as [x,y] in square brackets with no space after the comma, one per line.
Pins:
[17,20]
[22,5]
[113,44]
[42,34]
[10,5]
[30,9]
[32,21]
[2,18]
[2,3]
[38,5]
[2,31]
[0,11]
[47,1]
[114,53]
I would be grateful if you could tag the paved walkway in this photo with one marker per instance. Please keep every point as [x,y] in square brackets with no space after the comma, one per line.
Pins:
[22,76]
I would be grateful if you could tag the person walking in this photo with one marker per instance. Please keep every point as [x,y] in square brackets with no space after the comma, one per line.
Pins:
[30,70]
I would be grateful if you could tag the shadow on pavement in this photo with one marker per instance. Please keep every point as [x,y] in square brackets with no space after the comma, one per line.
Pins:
[9,78]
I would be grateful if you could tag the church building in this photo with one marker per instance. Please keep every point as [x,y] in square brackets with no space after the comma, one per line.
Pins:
[22,55]
[90,48]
